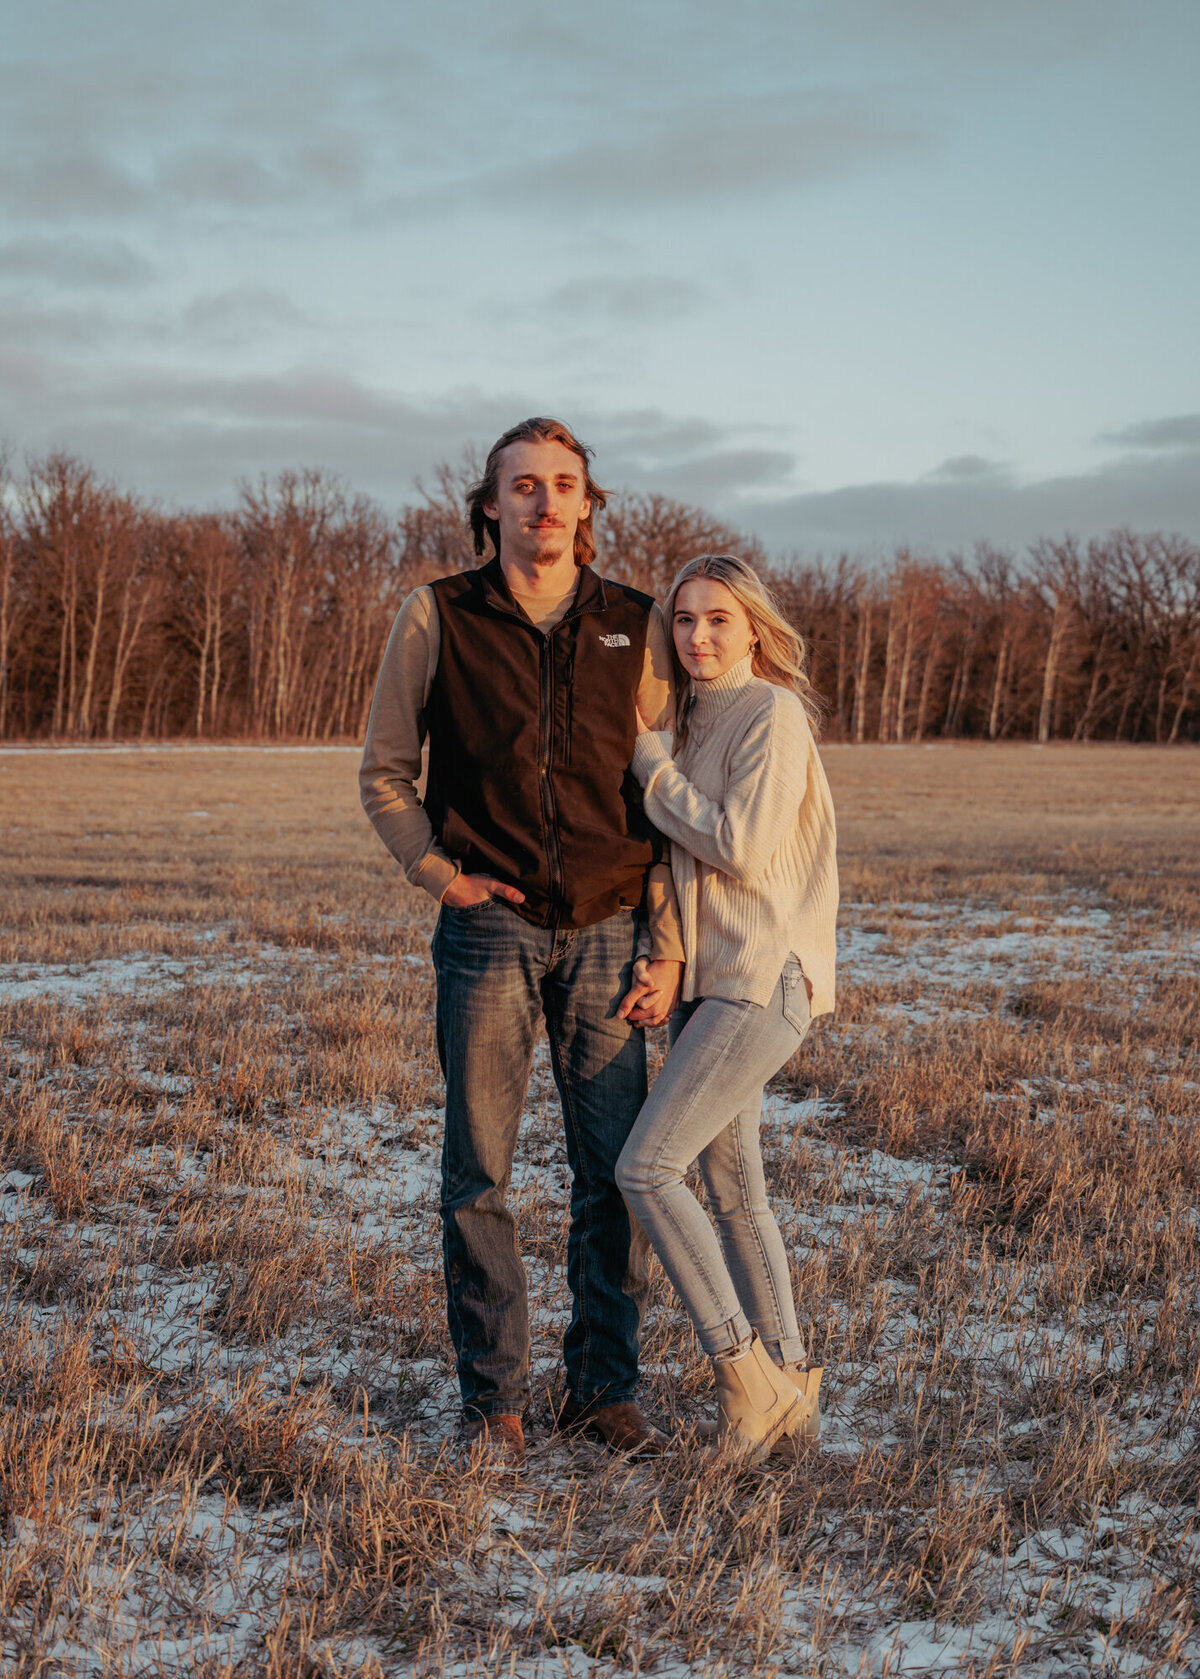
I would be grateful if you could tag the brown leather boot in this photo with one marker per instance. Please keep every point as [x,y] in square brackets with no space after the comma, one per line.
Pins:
[496,1443]
[623,1427]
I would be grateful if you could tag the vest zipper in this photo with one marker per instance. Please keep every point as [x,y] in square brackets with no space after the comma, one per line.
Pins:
[554,869]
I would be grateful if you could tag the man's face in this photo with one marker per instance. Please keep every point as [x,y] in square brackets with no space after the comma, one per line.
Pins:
[539,501]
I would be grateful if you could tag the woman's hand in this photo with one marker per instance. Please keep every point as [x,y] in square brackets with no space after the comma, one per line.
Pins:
[654,995]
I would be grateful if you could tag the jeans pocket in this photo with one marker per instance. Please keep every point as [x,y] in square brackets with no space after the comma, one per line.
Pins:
[797,1010]
[469,909]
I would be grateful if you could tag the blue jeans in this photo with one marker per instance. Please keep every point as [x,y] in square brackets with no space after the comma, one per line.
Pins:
[706,1104]
[495,975]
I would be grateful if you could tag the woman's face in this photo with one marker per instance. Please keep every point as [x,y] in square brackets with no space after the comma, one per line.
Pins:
[712,629]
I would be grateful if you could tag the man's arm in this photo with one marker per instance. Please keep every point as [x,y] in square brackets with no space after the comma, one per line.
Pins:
[656,698]
[658,971]
[391,762]
[656,689]
[661,935]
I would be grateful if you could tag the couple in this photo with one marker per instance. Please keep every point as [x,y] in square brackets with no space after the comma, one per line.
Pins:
[548,694]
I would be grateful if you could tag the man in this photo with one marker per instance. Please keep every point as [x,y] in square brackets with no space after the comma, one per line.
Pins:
[525,675]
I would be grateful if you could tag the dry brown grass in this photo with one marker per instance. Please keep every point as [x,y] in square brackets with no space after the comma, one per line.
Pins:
[226,1385]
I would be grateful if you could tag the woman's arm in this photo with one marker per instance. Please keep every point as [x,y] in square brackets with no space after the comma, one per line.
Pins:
[768,775]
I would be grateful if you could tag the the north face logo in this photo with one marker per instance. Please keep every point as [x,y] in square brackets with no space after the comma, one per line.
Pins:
[615,640]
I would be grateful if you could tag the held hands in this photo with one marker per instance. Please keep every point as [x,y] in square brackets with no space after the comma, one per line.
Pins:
[654,994]
[466,890]
[650,1000]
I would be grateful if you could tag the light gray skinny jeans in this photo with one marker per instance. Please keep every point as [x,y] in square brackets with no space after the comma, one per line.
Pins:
[706,1105]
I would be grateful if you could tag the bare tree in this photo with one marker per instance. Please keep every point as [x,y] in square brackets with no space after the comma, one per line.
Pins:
[434,536]
[285,529]
[141,582]
[200,556]
[8,566]
[866,602]
[645,539]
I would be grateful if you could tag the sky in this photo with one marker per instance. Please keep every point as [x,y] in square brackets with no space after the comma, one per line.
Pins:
[848,274]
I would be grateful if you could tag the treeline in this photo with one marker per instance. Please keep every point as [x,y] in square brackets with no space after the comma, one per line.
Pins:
[120,621]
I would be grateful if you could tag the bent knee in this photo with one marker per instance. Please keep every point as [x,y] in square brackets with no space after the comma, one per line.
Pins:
[626,1173]
[637,1175]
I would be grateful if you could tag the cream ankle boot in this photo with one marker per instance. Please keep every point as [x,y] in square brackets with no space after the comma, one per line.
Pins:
[808,1385]
[759,1404]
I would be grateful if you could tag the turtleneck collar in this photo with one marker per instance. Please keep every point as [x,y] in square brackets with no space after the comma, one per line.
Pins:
[719,692]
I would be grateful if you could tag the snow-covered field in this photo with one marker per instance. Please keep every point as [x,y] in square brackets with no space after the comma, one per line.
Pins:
[226,1383]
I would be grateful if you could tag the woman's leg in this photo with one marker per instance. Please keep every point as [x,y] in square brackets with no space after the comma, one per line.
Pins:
[732,1169]
[715,1072]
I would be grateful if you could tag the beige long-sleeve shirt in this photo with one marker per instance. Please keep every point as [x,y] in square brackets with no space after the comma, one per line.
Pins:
[391,764]
[747,809]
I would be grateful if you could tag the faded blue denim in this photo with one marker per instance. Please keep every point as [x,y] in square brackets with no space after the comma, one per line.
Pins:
[495,975]
[706,1105]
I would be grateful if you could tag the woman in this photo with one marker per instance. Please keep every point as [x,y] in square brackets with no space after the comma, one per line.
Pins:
[746,806]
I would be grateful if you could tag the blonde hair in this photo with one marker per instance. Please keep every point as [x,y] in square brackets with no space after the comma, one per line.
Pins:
[778,653]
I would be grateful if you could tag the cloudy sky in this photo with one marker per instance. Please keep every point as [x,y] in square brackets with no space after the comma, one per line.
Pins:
[847,272]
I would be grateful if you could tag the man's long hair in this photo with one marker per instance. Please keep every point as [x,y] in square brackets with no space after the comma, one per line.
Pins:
[536,430]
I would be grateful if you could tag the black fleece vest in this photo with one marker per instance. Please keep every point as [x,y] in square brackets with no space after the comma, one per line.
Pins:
[530,738]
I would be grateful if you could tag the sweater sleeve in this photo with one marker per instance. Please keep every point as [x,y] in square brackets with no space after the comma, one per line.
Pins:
[391,762]
[764,789]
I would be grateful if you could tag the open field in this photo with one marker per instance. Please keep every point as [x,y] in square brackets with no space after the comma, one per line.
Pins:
[225,1375]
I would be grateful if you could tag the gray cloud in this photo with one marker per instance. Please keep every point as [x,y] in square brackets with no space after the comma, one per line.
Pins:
[652,438]
[632,297]
[245,177]
[711,156]
[940,512]
[23,373]
[749,146]
[240,315]
[708,478]
[233,176]
[51,325]
[984,48]
[1176,431]
[67,178]
[687,458]
[73,260]
[966,466]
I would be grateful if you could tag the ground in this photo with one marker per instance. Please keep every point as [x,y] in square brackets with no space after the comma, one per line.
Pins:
[225,1382]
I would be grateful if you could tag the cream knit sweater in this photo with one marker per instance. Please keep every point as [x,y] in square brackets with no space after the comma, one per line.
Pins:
[753,847]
